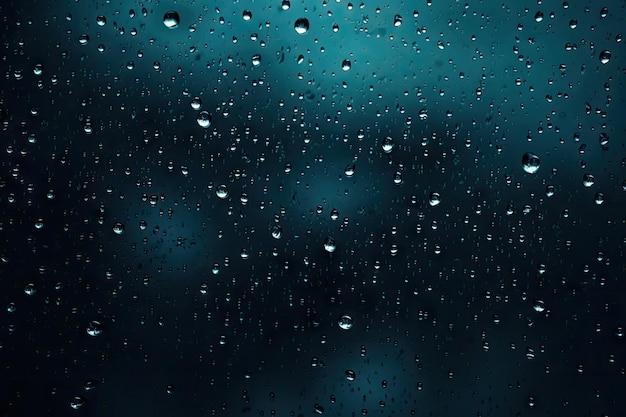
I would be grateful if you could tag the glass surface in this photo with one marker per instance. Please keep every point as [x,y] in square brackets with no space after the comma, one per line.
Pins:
[281,208]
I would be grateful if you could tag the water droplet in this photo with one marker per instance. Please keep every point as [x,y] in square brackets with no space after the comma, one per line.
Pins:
[286,5]
[604,12]
[434,199]
[171,19]
[538,17]
[539,306]
[387,144]
[94,328]
[329,244]
[38,69]
[204,119]
[119,228]
[599,198]
[530,162]
[30,289]
[346,322]
[277,231]
[301,26]
[350,375]
[77,402]
[605,56]
[256,60]
[90,385]
[346,65]
[222,191]
[349,170]
[247,15]
[101,20]
[196,103]
[397,20]
[588,180]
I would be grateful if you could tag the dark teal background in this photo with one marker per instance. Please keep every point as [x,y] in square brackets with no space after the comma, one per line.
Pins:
[441,296]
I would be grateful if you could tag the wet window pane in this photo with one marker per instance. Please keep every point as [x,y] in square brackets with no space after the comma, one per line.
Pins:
[282,208]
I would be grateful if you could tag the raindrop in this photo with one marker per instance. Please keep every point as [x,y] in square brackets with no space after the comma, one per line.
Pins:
[346,65]
[387,144]
[171,19]
[605,56]
[434,199]
[90,385]
[77,402]
[277,231]
[346,322]
[94,328]
[588,180]
[301,26]
[349,170]
[599,198]
[603,139]
[196,103]
[222,192]
[329,244]
[530,162]
[604,12]
[119,228]
[30,289]
[204,119]
[539,306]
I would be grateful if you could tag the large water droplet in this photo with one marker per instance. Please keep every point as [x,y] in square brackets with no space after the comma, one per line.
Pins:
[588,180]
[171,19]
[204,119]
[605,56]
[222,191]
[301,26]
[434,199]
[387,144]
[94,328]
[277,231]
[346,322]
[119,228]
[530,162]
[329,245]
